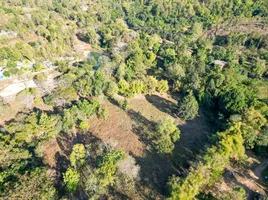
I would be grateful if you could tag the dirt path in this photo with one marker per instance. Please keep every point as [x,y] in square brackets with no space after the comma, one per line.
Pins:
[258,170]
[15,86]
[251,180]
[258,174]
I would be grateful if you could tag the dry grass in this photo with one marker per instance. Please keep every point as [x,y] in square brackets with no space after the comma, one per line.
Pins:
[50,148]
[132,131]
[117,130]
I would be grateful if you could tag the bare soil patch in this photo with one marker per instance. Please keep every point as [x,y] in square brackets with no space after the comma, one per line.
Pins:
[132,131]
[81,47]
[50,148]
[117,130]
[248,175]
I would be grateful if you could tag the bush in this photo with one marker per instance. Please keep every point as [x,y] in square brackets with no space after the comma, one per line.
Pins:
[84,126]
[78,155]
[38,67]
[162,86]
[151,85]
[124,104]
[103,113]
[6,73]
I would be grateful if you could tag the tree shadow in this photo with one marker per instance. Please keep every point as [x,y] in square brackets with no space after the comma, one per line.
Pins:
[81,37]
[195,137]
[113,101]
[65,142]
[162,104]
[155,168]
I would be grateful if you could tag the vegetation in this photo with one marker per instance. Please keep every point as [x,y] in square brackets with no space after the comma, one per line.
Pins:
[188,108]
[211,56]
[167,134]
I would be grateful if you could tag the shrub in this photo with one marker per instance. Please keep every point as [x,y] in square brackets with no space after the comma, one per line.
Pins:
[162,86]
[124,104]
[103,113]
[84,126]
[6,73]
[78,155]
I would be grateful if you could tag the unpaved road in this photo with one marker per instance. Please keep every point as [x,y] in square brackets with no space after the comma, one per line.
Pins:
[258,173]
[258,170]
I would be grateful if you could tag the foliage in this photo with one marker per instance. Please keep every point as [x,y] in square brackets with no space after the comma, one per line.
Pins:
[103,113]
[188,107]
[78,156]
[124,104]
[84,126]
[229,146]
[32,185]
[166,135]
[162,86]
[233,100]
[143,47]
[104,174]
[33,128]
[71,179]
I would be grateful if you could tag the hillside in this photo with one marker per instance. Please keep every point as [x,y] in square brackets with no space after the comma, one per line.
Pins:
[134,99]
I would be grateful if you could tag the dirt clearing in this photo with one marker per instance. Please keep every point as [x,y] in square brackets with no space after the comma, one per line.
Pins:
[248,175]
[50,148]
[133,130]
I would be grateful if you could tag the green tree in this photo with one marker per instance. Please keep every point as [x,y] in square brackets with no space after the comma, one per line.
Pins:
[104,174]
[32,185]
[162,86]
[233,100]
[151,85]
[166,135]
[84,126]
[71,179]
[78,155]
[262,139]
[188,107]
[91,36]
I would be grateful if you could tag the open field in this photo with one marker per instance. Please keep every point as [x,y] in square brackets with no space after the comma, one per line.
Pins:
[133,130]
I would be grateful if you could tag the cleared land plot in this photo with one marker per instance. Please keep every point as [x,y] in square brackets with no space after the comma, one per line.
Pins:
[133,130]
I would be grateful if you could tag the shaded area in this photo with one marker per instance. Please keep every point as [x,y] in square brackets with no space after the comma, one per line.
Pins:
[195,136]
[66,143]
[163,104]
[155,168]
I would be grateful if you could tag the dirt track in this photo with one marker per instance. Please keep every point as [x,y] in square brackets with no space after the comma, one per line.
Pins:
[258,170]
[258,173]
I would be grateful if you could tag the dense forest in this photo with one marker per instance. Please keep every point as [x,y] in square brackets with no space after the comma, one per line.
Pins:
[93,63]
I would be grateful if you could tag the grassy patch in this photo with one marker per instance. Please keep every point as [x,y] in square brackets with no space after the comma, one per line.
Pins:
[262,85]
